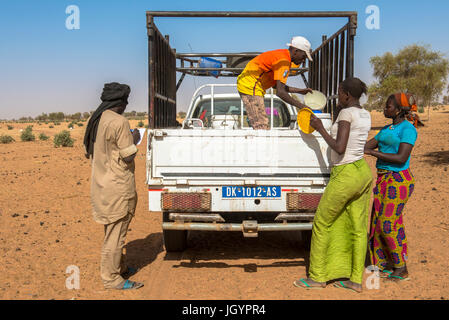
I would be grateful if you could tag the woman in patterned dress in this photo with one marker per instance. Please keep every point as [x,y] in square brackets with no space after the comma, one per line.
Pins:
[394,186]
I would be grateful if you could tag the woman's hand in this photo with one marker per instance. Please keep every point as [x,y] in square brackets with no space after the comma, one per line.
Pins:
[316,123]
[370,146]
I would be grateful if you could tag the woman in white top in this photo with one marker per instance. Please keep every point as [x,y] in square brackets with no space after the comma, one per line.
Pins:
[339,234]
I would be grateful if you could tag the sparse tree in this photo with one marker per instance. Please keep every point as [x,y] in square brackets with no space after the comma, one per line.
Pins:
[53,116]
[42,117]
[130,114]
[415,69]
[446,100]
[76,116]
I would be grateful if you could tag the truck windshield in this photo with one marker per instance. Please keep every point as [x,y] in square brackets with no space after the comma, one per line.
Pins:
[231,106]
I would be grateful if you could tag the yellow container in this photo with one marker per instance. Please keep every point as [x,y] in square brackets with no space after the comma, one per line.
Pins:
[304,120]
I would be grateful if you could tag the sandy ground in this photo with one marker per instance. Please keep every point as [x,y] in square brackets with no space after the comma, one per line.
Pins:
[46,226]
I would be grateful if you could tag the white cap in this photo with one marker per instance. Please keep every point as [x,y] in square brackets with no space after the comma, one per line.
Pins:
[303,44]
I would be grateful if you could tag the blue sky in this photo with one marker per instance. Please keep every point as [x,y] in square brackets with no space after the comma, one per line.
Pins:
[46,68]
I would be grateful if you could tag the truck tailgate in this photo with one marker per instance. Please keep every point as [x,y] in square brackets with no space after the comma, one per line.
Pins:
[260,157]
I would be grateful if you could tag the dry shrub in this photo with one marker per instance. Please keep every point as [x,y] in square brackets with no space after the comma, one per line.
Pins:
[5,139]
[63,139]
[43,137]
[27,134]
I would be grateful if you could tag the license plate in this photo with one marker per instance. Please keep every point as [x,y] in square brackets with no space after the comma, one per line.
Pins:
[250,192]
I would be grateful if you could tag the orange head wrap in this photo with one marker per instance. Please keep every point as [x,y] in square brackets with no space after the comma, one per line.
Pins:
[406,101]
[407,104]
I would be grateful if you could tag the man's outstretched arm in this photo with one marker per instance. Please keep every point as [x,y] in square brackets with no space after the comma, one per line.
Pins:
[297,90]
[283,93]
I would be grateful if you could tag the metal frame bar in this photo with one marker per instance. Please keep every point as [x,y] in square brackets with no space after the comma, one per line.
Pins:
[224,71]
[242,54]
[228,69]
[254,14]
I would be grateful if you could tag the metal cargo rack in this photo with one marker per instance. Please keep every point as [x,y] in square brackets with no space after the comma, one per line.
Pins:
[235,63]
[333,60]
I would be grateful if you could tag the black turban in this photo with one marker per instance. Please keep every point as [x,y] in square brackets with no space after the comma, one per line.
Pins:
[114,94]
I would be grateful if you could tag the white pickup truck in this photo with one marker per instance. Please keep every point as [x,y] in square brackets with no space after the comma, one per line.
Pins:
[216,173]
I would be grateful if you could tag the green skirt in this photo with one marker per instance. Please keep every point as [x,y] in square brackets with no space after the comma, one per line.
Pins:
[339,234]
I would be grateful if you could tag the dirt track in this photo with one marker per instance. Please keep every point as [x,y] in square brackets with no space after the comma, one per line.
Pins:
[46,226]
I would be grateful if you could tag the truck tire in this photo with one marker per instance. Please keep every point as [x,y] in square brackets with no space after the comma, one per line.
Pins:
[174,240]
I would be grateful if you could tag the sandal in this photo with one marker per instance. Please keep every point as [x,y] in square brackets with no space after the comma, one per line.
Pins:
[129,285]
[398,278]
[301,283]
[340,284]
[385,273]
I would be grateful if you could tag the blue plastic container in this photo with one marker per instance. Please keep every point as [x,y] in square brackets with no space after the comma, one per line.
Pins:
[206,62]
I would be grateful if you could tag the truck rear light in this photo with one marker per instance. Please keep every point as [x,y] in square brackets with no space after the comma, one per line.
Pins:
[186,201]
[302,201]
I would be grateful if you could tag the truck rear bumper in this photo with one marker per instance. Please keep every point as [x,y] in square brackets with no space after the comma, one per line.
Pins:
[247,227]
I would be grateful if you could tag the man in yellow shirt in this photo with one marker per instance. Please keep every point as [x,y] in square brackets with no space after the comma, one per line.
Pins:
[271,70]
